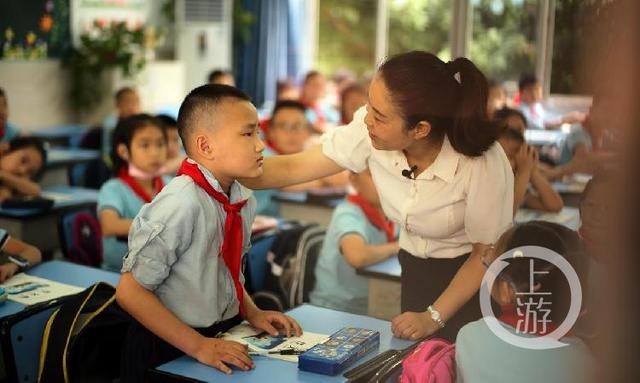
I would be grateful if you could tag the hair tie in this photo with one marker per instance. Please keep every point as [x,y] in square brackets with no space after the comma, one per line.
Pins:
[453,71]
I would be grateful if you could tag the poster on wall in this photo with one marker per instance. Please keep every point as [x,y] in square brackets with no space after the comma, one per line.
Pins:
[34,29]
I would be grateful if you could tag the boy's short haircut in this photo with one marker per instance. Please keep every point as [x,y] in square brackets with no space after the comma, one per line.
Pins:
[214,74]
[311,74]
[527,80]
[204,99]
[122,92]
[501,116]
[288,104]
[168,121]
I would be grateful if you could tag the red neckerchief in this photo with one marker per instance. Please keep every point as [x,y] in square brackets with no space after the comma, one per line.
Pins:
[135,186]
[374,215]
[232,242]
[510,316]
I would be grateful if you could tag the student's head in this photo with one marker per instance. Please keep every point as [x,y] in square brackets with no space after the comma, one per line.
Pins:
[218,127]
[598,211]
[139,140]
[222,77]
[511,125]
[173,138]
[366,188]
[416,96]
[314,87]
[288,129]
[352,98]
[529,88]
[515,277]
[287,90]
[127,102]
[4,109]
[25,158]
[497,98]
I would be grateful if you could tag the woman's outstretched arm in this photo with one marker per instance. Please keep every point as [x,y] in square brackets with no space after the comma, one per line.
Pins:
[281,171]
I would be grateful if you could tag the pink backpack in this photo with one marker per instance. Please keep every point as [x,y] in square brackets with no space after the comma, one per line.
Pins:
[433,361]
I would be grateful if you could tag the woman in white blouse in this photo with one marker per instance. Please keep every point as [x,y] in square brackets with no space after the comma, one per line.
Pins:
[440,174]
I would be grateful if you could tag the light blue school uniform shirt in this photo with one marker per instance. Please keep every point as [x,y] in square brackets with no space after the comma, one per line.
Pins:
[483,357]
[264,198]
[10,132]
[117,195]
[536,117]
[337,284]
[174,250]
[331,115]
[577,136]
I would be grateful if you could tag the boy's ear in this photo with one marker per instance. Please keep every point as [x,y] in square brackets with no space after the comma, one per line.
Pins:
[123,152]
[204,147]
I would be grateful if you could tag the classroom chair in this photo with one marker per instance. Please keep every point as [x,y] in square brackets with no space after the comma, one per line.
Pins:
[81,237]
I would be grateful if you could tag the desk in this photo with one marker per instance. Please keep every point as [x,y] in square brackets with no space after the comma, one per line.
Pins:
[296,206]
[568,216]
[40,227]
[571,188]
[65,135]
[60,163]
[384,288]
[22,329]
[538,137]
[312,318]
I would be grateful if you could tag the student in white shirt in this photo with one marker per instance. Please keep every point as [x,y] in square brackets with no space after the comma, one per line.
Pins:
[441,176]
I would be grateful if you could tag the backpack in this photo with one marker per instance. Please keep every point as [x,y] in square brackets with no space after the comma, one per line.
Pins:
[83,339]
[433,361]
[82,238]
[287,280]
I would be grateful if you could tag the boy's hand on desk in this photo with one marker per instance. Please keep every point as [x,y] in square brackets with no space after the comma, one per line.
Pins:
[220,353]
[7,271]
[273,322]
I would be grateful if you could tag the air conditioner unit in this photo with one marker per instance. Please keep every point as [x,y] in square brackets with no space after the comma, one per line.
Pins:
[203,37]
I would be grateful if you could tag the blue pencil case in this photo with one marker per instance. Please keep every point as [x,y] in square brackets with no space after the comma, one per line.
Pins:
[343,348]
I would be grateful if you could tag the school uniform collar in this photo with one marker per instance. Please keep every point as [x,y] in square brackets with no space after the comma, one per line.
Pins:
[445,164]
[237,191]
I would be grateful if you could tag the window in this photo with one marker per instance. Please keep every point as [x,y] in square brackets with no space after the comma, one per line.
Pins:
[420,25]
[503,45]
[347,36]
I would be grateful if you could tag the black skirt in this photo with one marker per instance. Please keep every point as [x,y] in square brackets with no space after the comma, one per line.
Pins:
[425,279]
[143,350]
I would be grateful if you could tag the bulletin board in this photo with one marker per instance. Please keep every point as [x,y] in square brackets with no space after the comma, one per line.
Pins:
[34,29]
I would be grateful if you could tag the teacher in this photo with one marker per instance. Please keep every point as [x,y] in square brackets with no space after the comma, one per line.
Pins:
[441,176]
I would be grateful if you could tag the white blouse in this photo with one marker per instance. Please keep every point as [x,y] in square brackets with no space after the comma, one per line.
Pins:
[455,202]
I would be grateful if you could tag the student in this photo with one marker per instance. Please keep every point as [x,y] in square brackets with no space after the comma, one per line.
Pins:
[175,153]
[359,235]
[497,97]
[7,130]
[20,164]
[314,90]
[287,132]
[525,165]
[531,106]
[588,146]
[181,279]
[287,90]
[20,256]
[139,154]
[352,98]
[440,174]
[221,76]
[481,356]
[127,102]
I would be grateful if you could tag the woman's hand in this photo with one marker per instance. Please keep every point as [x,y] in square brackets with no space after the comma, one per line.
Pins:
[526,159]
[413,326]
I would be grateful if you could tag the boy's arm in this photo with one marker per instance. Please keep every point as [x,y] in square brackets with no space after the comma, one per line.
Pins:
[17,247]
[358,253]
[147,309]
[547,198]
[112,224]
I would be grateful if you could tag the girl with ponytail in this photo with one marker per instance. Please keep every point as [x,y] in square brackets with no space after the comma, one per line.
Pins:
[441,176]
